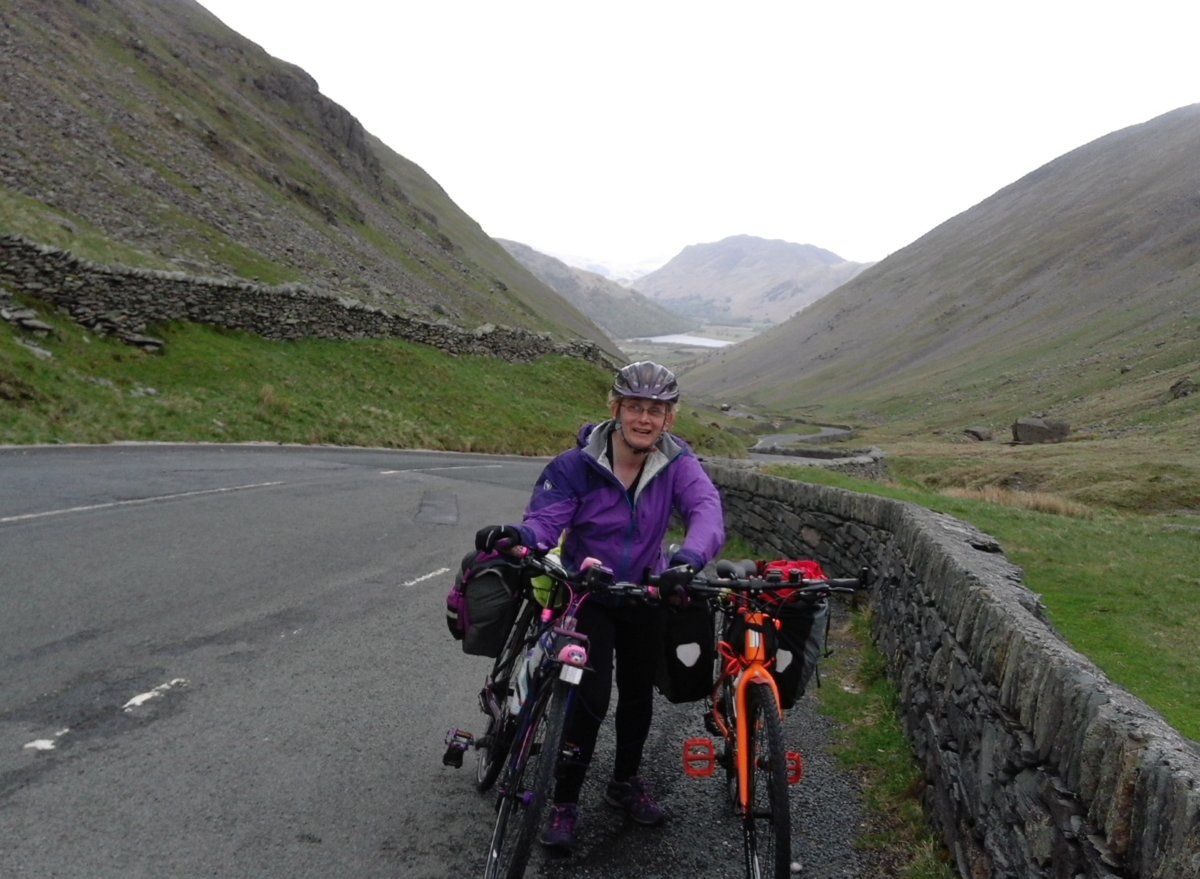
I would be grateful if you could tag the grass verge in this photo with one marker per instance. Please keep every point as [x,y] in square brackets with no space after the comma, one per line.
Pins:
[1124,589]
[213,385]
[856,692]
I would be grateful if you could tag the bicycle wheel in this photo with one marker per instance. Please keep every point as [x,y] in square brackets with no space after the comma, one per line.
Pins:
[768,826]
[492,747]
[729,747]
[527,784]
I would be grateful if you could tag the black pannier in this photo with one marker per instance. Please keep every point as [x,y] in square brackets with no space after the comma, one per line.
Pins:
[798,645]
[483,603]
[686,667]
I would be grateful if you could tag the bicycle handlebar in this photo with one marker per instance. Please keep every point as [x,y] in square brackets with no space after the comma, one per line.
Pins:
[730,578]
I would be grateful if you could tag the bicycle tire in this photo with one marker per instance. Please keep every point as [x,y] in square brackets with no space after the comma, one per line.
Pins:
[536,760]
[729,749]
[492,749]
[767,827]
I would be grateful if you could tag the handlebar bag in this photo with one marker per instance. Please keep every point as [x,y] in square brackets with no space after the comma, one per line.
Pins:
[687,662]
[483,602]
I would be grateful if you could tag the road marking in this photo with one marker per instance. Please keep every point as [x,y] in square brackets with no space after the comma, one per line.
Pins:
[47,744]
[141,500]
[454,467]
[428,576]
[142,698]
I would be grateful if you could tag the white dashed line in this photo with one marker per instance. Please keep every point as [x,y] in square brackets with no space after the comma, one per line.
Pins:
[47,744]
[454,467]
[142,698]
[141,500]
[428,576]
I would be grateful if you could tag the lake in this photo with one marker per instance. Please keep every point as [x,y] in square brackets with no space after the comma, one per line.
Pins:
[685,339]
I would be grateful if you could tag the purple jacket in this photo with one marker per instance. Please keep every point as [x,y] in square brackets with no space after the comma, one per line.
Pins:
[579,493]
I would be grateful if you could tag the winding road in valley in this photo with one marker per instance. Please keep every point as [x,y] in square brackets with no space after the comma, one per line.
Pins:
[232,661]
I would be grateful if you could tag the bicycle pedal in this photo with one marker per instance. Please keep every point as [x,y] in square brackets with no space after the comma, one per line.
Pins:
[457,741]
[699,758]
[795,767]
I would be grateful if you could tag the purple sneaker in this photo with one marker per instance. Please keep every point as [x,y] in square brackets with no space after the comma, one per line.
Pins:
[634,798]
[560,829]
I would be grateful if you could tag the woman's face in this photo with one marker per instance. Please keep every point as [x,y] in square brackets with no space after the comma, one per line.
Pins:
[642,421]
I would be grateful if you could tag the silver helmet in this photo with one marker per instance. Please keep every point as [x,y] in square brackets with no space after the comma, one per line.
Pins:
[646,380]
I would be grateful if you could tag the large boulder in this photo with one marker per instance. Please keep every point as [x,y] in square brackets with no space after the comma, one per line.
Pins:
[1040,430]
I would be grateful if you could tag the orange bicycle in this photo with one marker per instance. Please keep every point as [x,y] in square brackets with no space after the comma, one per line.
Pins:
[746,711]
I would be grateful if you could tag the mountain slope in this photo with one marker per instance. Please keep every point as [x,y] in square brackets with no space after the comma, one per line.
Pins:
[743,278]
[1079,279]
[621,312]
[151,133]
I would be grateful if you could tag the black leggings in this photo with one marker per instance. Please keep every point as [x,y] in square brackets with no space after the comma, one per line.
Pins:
[634,635]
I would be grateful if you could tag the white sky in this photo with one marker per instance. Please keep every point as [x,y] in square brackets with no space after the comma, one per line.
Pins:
[624,131]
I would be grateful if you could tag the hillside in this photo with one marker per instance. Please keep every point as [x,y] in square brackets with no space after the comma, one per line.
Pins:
[149,134]
[619,311]
[746,279]
[1074,290]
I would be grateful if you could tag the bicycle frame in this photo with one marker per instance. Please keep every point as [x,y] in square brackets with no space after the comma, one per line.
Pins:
[747,667]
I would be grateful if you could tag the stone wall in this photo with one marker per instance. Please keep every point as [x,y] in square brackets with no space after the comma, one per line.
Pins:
[126,302]
[1037,764]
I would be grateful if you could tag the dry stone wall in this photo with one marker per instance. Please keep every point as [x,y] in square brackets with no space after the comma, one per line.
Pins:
[1037,764]
[127,302]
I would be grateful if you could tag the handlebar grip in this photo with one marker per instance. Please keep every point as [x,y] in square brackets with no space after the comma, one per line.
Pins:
[845,582]
[727,570]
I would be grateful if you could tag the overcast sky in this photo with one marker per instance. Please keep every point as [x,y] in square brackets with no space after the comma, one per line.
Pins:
[624,131]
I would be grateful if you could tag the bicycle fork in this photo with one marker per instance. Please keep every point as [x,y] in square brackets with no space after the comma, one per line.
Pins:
[699,754]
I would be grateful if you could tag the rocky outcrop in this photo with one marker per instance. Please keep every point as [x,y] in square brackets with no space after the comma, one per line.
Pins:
[1040,429]
[1038,766]
[127,302]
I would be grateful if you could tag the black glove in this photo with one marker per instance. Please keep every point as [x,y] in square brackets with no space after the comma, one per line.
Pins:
[487,538]
[673,582]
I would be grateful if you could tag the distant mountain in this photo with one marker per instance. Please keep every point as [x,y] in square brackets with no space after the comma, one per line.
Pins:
[620,312]
[624,272]
[148,133]
[744,278]
[1077,286]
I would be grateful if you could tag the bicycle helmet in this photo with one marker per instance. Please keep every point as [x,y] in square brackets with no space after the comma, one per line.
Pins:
[646,380]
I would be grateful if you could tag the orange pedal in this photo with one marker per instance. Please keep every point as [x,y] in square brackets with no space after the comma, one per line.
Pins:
[699,758]
[795,765]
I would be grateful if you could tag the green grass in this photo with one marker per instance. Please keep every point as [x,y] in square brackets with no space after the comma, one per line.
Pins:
[38,222]
[1124,589]
[216,385]
[856,692]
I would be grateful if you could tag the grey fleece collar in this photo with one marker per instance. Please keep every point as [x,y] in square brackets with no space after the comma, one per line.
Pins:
[665,451]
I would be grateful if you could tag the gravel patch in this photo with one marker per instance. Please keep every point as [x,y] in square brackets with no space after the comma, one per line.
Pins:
[701,837]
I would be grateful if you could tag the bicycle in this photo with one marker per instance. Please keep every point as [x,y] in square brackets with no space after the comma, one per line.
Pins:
[746,709]
[526,698]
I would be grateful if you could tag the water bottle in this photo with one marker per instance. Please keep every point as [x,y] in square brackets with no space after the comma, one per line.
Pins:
[528,667]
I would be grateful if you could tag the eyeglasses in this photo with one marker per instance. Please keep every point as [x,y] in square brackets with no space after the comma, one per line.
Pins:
[654,410]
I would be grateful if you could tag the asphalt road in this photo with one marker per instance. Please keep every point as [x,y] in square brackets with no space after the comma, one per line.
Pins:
[232,661]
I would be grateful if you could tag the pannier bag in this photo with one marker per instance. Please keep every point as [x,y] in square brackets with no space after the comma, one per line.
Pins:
[686,668]
[800,646]
[800,641]
[483,602]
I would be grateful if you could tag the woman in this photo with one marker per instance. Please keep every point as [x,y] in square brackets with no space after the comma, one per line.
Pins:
[613,496]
